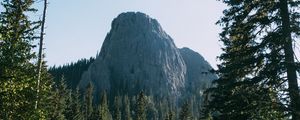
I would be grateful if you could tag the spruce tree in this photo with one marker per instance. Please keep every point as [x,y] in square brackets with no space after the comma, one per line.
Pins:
[88,101]
[185,112]
[141,107]
[117,111]
[104,110]
[58,103]
[258,64]
[17,73]
[68,111]
[170,115]
[75,106]
[127,110]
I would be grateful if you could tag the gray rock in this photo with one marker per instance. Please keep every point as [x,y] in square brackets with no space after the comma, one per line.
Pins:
[137,54]
[199,72]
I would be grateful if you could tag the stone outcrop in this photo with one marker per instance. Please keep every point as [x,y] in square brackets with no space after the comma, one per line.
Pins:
[137,54]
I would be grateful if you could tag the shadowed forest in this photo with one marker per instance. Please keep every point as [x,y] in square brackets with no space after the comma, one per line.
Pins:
[257,77]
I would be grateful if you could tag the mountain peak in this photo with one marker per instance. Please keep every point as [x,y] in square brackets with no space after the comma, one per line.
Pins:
[136,22]
[138,55]
[133,18]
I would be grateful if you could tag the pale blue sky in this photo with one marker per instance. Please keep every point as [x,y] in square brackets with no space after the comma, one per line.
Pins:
[76,28]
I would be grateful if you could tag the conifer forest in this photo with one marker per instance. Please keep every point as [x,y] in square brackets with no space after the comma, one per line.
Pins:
[140,74]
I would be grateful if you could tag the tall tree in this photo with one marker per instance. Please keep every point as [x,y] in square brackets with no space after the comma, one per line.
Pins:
[104,109]
[141,107]
[17,33]
[185,112]
[258,65]
[72,72]
[170,115]
[127,110]
[117,111]
[88,101]
[290,64]
[75,106]
[58,103]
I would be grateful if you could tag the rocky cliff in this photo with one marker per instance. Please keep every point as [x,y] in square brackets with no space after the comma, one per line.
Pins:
[137,54]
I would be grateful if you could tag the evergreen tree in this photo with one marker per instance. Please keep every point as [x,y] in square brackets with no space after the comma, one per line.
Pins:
[117,111]
[185,112]
[59,99]
[170,115]
[68,113]
[104,110]
[204,112]
[151,111]
[88,101]
[17,73]
[45,95]
[258,61]
[127,110]
[75,106]
[96,113]
[72,72]
[141,107]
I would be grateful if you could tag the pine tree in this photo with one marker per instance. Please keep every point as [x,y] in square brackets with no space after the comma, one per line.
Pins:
[151,111]
[17,73]
[117,111]
[88,101]
[258,61]
[76,105]
[185,112]
[72,72]
[104,110]
[58,103]
[73,106]
[204,112]
[170,115]
[127,110]
[141,107]
[56,106]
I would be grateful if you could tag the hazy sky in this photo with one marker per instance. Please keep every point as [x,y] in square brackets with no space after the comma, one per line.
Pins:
[76,28]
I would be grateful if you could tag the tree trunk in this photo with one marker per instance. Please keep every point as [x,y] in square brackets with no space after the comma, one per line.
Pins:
[40,55]
[290,61]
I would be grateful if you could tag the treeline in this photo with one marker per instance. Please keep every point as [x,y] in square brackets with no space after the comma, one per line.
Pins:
[71,72]
[74,104]
[25,86]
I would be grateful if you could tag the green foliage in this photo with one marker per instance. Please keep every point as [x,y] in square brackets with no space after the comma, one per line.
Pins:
[104,110]
[74,107]
[72,72]
[58,103]
[127,110]
[88,101]
[17,73]
[117,111]
[185,112]
[56,99]
[170,115]
[141,107]
[254,69]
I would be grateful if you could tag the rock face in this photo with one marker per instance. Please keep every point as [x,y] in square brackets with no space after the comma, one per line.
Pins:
[198,75]
[138,55]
